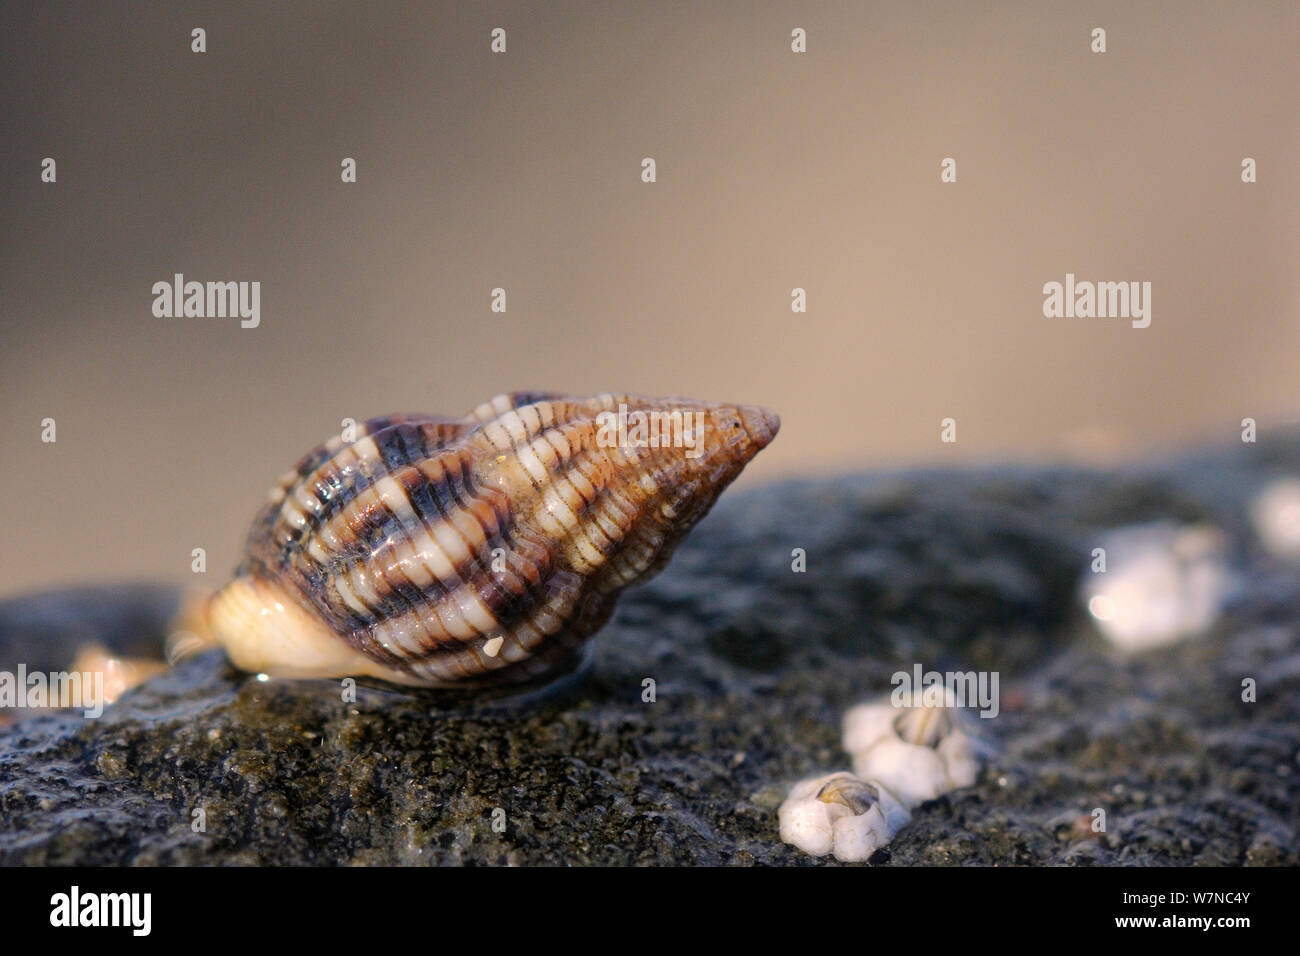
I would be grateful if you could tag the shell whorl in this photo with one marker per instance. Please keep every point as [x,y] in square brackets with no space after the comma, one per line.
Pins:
[438,551]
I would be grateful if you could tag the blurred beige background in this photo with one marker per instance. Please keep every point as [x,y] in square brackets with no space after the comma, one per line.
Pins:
[522,170]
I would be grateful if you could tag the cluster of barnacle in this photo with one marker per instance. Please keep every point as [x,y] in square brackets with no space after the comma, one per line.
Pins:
[902,756]
[1155,583]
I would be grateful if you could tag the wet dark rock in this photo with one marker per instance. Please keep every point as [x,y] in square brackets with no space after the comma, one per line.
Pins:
[753,666]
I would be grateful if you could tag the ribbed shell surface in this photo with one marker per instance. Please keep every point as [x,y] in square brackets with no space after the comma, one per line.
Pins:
[488,548]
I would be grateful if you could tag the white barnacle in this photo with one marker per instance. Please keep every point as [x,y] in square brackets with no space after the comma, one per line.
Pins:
[919,751]
[1275,514]
[1162,582]
[841,814]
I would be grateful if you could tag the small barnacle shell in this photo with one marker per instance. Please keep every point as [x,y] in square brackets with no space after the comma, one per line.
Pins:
[1275,514]
[919,751]
[436,551]
[1163,582]
[120,673]
[841,814]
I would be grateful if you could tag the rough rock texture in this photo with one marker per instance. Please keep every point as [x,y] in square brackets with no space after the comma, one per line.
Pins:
[753,667]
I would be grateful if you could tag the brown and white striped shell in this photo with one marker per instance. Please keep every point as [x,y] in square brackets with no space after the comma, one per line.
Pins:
[437,551]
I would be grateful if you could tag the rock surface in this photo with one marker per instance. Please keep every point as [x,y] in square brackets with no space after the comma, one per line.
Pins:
[754,666]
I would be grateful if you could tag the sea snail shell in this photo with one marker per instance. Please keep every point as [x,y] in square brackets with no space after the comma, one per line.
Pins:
[436,551]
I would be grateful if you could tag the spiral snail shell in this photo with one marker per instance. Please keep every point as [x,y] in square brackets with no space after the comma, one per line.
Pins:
[436,551]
